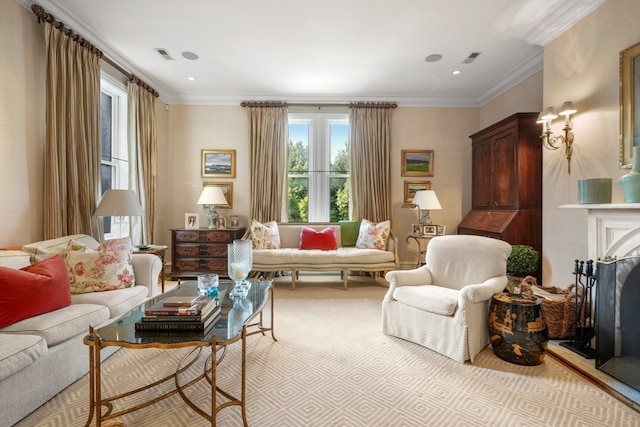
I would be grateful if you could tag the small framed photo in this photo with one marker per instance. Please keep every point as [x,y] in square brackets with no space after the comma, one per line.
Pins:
[227,190]
[441,229]
[191,221]
[417,163]
[415,229]
[218,163]
[222,222]
[410,188]
[430,230]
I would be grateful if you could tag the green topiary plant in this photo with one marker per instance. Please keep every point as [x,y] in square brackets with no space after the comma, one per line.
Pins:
[523,261]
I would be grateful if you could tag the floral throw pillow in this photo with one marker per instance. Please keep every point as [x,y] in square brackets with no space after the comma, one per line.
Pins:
[265,236]
[372,235]
[105,269]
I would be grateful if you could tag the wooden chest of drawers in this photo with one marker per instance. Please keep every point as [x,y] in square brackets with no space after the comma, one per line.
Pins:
[199,251]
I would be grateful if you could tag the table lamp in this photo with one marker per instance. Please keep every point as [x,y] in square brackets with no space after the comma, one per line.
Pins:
[212,196]
[426,200]
[122,203]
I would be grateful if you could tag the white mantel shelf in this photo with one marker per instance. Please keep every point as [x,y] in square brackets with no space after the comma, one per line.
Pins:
[613,229]
[602,206]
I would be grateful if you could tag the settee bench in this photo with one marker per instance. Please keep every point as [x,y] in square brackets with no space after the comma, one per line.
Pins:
[290,258]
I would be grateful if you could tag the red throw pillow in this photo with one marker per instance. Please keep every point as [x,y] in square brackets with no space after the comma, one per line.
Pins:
[312,239]
[32,290]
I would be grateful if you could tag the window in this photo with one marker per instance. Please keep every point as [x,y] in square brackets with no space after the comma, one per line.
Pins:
[114,163]
[318,168]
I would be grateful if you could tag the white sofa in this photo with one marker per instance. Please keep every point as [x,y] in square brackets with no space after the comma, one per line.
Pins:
[42,355]
[289,257]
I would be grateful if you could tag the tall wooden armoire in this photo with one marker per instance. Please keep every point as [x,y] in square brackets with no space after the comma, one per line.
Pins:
[507,182]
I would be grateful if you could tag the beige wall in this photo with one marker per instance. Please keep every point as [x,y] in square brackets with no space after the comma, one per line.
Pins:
[582,65]
[190,129]
[446,131]
[524,98]
[21,124]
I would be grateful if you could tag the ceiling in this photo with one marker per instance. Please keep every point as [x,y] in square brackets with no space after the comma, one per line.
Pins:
[324,51]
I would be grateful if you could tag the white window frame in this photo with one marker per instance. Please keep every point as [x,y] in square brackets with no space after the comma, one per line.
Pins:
[319,174]
[119,147]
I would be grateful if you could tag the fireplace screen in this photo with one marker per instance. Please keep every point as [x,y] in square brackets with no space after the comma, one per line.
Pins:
[617,319]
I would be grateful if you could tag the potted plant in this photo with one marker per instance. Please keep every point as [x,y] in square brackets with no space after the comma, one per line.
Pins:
[522,262]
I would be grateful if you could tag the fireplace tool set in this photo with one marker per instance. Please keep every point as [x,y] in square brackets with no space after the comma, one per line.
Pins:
[583,328]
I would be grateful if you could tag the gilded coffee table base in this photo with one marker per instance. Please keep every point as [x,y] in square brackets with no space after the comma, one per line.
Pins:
[218,352]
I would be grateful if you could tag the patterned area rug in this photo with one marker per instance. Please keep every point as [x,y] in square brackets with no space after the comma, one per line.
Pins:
[332,366]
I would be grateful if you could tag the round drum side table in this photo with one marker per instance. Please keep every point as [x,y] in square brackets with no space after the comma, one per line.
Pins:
[517,329]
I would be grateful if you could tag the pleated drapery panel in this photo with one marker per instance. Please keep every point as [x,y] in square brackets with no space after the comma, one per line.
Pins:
[143,159]
[72,146]
[369,154]
[268,135]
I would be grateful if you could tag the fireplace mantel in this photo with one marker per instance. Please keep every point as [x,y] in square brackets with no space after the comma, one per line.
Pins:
[613,229]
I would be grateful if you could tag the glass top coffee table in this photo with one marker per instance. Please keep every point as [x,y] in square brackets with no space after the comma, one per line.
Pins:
[226,330]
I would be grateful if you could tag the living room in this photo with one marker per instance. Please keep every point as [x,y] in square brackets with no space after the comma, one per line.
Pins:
[580,64]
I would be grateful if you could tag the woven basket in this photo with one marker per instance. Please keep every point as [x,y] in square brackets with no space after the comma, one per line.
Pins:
[559,315]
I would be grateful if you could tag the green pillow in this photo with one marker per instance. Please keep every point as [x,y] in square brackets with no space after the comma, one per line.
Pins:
[349,233]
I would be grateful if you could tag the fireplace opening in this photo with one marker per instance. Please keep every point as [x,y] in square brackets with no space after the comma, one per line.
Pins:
[618,319]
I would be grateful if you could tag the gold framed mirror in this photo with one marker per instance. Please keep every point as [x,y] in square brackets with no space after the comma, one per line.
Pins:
[629,103]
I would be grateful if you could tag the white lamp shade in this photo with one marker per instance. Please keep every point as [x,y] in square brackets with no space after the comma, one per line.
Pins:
[212,196]
[119,203]
[426,200]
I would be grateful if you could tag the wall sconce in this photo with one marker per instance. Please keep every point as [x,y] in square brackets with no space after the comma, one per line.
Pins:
[554,142]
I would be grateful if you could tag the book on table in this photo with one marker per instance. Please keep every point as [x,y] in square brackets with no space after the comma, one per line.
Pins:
[198,316]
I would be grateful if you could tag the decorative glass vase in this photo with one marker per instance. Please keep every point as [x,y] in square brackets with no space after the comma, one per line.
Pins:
[630,182]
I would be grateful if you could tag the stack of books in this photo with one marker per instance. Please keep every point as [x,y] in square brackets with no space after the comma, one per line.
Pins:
[194,314]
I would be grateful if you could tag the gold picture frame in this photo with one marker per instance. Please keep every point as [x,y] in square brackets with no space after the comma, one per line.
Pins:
[227,190]
[417,163]
[218,163]
[410,188]
[629,103]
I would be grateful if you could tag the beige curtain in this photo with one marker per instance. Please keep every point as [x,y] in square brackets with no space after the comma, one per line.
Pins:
[268,137]
[369,146]
[72,146]
[143,155]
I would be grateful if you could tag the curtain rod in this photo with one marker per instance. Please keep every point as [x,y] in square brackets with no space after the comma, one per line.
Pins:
[47,17]
[302,104]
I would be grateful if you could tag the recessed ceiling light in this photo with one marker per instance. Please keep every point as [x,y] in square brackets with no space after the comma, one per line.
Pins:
[189,55]
[433,58]
[455,72]
[191,79]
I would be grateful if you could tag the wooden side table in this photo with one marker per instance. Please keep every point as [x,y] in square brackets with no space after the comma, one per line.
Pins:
[159,251]
[420,239]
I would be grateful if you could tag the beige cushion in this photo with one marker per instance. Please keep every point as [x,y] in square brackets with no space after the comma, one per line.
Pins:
[349,257]
[118,302]
[14,259]
[60,325]
[434,299]
[18,351]
[45,248]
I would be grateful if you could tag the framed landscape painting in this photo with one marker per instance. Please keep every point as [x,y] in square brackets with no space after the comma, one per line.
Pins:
[417,163]
[218,163]
[227,190]
[410,188]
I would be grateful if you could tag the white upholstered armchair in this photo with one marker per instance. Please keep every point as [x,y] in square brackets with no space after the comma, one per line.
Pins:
[444,304]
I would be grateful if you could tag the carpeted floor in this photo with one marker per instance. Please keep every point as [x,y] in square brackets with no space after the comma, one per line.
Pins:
[332,366]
